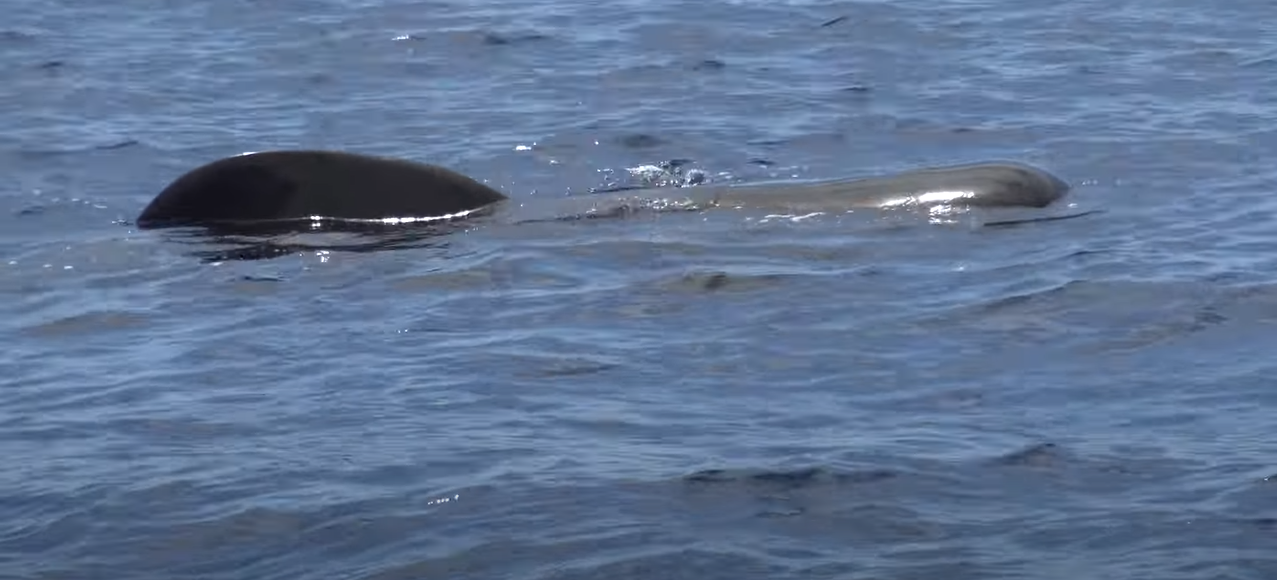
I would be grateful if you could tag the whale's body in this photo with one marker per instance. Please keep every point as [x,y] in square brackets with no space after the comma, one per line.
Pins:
[295,185]
[329,185]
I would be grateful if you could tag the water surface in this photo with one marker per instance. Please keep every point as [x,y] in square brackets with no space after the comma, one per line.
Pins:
[728,394]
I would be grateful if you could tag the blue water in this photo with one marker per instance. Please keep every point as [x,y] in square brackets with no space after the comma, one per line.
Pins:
[717,395]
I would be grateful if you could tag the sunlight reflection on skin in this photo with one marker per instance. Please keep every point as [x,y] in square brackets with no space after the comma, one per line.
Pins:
[317,221]
[942,210]
[933,197]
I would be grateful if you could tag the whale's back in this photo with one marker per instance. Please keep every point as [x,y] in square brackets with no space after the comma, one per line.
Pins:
[287,185]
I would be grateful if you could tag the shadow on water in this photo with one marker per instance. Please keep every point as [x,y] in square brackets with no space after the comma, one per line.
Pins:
[267,240]
[248,241]
[1034,220]
[264,241]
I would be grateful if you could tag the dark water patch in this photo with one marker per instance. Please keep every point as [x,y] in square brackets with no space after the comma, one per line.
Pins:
[675,564]
[225,540]
[1079,308]
[709,64]
[502,39]
[261,278]
[180,432]
[31,210]
[484,37]
[40,206]
[1262,62]
[788,479]
[79,325]
[1042,455]
[14,36]
[640,141]
[633,430]
[558,367]
[1200,59]
[833,21]
[464,277]
[119,145]
[74,153]
[719,281]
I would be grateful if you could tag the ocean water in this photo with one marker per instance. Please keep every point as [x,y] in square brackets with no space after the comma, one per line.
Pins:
[727,394]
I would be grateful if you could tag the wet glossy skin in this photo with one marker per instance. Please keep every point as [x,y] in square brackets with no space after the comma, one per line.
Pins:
[299,185]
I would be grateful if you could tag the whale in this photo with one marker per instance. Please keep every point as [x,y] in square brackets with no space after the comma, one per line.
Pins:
[317,186]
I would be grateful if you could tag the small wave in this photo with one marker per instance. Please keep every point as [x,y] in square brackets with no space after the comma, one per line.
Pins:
[789,479]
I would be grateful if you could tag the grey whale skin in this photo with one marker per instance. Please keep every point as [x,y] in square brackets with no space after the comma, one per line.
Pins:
[278,186]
